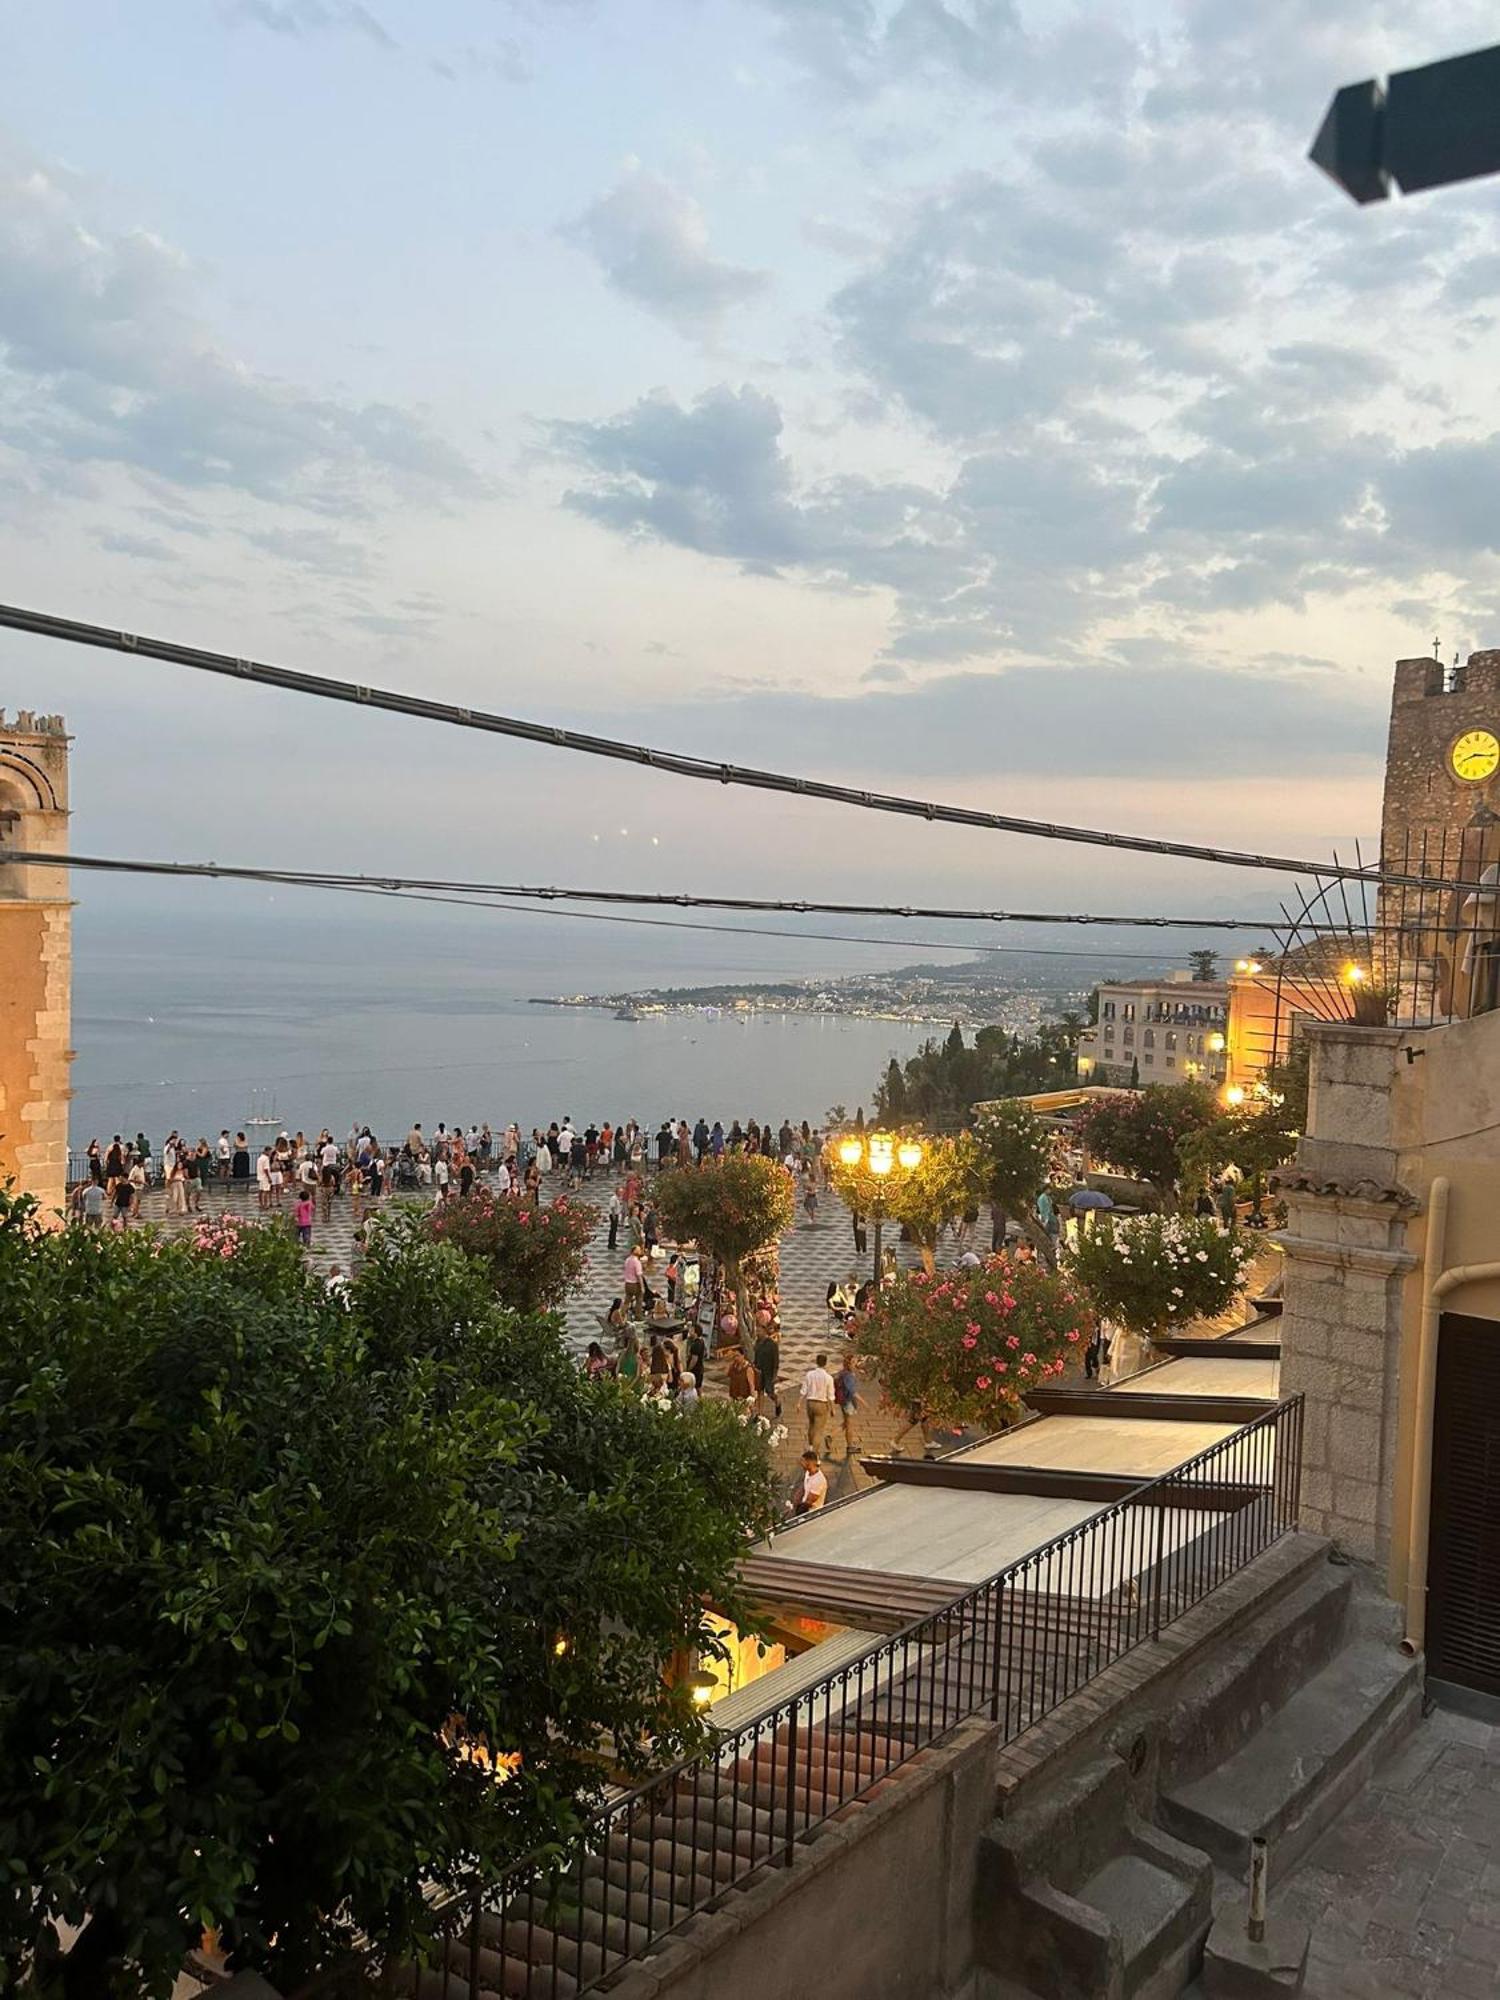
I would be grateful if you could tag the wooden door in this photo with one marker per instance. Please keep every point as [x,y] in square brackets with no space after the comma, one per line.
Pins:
[1463,1559]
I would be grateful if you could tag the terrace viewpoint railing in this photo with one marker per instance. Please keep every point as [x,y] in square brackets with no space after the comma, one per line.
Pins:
[1010,1649]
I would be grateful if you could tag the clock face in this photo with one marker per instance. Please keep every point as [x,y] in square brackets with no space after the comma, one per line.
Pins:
[1475,755]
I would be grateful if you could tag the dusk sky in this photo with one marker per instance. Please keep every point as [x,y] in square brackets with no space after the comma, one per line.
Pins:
[986,400]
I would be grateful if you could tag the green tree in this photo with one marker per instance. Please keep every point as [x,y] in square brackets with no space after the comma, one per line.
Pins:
[936,1192]
[1143,1135]
[954,1046]
[1205,966]
[890,1096]
[731,1208]
[1013,1152]
[308,1606]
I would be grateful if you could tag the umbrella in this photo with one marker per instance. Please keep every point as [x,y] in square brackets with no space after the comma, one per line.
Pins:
[1090,1198]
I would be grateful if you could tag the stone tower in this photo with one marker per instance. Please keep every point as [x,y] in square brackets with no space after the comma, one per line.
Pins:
[36,961]
[1435,823]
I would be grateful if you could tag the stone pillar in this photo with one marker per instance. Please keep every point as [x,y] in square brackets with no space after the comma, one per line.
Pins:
[36,959]
[1346,1257]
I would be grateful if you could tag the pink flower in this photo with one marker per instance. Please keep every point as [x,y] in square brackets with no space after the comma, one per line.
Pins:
[1072,1333]
[991,1299]
[981,1381]
[972,1327]
[1011,1341]
[1029,1357]
[1002,1367]
[970,1340]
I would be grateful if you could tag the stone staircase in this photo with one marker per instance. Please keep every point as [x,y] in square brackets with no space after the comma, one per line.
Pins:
[681,1851]
[1101,1879]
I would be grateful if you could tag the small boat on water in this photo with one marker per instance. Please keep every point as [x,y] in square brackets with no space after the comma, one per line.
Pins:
[262,1114]
[626,1013]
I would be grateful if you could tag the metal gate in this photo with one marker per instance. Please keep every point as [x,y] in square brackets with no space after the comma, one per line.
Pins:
[1463,1564]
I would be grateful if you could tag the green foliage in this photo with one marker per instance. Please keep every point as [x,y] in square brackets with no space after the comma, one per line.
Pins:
[937,1192]
[534,1251]
[1013,1152]
[1205,966]
[1142,1135]
[1153,1272]
[939,1086]
[732,1206]
[963,1347]
[282,1581]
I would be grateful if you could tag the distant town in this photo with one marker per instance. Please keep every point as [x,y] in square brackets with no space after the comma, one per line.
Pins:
[975,993]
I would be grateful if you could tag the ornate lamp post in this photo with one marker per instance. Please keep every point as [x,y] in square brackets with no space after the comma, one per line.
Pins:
[881,1156]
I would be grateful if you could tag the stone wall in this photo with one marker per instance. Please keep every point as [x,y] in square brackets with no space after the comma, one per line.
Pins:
[1346,1261]
[36,959]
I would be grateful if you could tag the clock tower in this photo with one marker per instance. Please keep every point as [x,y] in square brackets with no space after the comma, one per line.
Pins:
[1440,818]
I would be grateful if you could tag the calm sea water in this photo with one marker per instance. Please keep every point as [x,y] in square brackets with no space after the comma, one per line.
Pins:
[194,1024]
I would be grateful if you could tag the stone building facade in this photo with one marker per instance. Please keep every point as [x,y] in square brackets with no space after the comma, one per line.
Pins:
[36,960]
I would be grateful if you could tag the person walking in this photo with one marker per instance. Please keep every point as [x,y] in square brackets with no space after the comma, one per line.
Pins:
[846,1401]
[768,1365]
[816,1392]
[812,1488]
[857,1224]
[304,1216]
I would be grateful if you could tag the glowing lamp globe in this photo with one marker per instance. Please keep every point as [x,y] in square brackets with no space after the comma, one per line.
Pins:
[909,1154]
[882,1154]
[851,1152]
[1234,1095]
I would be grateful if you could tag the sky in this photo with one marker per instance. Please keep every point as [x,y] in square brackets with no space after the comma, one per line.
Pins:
[972,398]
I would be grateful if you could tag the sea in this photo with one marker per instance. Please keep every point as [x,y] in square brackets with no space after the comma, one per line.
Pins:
[188,1017]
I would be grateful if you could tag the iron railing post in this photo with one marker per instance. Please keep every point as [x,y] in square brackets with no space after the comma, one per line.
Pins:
[1161,1539]
[791,1783]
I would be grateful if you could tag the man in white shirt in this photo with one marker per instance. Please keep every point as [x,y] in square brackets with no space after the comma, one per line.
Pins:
[817,1399]
[813,1491]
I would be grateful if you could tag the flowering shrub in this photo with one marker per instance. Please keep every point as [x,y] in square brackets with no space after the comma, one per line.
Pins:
[963,1347]
[221,1235]
[1152,1272]
[535,1251]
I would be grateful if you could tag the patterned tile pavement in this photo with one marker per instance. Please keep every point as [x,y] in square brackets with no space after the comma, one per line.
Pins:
[812,1253]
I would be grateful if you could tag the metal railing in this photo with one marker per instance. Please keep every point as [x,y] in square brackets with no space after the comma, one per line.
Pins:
[1010,1649]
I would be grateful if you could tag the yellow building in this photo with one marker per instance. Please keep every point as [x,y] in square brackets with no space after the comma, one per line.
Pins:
[35,958]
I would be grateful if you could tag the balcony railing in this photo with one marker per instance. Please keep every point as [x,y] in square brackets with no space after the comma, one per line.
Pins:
[1010,1649]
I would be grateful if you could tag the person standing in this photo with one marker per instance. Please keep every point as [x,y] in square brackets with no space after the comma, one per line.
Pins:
[846,1401]
[857,1224]
[263,1178]
[743,1381]
[768,1364]
[239,1161]
[634,1275]
[695,1356]
[816,1393]
[304,1216]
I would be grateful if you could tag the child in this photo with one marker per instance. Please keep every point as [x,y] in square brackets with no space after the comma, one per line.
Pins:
[304,1213]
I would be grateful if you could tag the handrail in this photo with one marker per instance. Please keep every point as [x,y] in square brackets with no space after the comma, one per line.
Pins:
[1012,1647]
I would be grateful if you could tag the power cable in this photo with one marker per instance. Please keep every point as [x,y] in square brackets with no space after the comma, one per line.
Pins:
[799,906]
[46,625]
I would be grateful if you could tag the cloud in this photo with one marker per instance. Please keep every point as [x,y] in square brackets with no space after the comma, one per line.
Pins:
[102,362]
[306,17]
[1134,715]
[651,243]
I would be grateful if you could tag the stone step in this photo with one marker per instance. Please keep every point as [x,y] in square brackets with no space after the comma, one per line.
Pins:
[1158,1917]
[1304,1762]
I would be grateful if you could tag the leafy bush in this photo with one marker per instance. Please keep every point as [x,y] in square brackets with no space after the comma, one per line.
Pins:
[962,1348]
[535,1251]
[1153,1272]
[304,1607]
[1143,1134]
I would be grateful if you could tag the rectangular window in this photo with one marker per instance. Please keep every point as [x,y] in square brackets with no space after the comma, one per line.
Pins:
[1171,1062]
[1129,1035]
[1171,1039]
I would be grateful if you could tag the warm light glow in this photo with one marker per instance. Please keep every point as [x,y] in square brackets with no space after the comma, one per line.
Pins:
[1355,974]
[909,1153]
[703,1691]
[560,1644]
[1242,965]
[1234,1095]
[882,1153]
[1255,965]
[851,1152]
[1216,1043]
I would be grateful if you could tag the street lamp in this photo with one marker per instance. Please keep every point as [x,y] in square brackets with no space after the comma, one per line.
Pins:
[882,1157]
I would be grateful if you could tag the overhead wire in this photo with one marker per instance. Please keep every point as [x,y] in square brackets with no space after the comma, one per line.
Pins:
[260,673]
[656,899]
